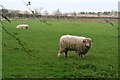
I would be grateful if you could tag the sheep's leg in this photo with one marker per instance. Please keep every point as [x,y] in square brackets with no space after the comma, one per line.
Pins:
[81,56]
[79,53]
[66,54]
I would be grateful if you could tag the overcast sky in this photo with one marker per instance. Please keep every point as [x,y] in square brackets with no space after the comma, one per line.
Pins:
[63,5]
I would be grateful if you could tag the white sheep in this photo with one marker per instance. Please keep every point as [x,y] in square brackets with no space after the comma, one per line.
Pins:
[74,43]
[23,26]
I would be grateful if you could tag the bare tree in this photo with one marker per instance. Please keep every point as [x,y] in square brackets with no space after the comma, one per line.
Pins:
[65,14]
[13,13]
[26,12]
[113,13]
[36,11]
[74,14]
[45,13]
[57,13]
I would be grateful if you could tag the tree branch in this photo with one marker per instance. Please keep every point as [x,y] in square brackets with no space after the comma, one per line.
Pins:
[35,14]
[19,42]
[111,24]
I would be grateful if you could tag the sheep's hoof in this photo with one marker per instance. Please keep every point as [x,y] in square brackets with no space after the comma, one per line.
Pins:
[66,56]
[81,56]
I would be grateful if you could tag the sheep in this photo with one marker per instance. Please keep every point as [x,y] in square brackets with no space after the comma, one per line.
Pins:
[23,26]
[74,43]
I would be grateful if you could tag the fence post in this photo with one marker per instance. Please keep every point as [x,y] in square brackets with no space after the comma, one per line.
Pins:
[1,43]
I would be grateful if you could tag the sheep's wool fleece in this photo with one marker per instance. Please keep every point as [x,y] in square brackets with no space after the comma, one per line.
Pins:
[22,26]
[71,42]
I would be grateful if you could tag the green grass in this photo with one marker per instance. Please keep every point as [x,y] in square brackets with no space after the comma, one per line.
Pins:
[43,41]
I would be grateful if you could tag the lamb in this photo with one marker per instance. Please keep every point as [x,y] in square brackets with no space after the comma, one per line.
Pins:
[74,43]
[23,26]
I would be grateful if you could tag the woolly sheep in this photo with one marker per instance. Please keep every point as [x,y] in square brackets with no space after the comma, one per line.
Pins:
[23,26]
[74,43]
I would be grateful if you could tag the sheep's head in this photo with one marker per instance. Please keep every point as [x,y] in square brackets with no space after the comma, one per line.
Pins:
[87,42]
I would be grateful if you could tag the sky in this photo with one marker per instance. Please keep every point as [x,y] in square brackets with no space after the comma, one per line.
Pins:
[63,5]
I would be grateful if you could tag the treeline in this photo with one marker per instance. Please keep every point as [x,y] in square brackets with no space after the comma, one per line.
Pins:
[56,14]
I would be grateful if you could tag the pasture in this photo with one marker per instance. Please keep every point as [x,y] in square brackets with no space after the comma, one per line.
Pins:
[43,42]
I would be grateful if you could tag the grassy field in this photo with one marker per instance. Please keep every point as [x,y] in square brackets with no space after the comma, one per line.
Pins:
[43,41]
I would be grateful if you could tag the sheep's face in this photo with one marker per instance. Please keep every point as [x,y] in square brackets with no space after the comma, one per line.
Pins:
[87,42]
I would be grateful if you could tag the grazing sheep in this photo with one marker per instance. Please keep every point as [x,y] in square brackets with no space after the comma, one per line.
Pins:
[74,43]
[23,26]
